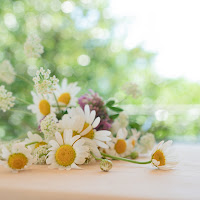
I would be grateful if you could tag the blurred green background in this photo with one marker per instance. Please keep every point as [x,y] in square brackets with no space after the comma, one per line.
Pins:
[82,42]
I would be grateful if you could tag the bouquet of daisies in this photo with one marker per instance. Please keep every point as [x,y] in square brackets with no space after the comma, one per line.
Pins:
[75,131]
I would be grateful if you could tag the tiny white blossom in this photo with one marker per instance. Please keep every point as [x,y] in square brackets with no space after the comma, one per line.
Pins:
[6,99]
[132,89]
[7,73]
[33,47]
[121,122]
[40,154]
[49,126]
[146,143]
[44,84]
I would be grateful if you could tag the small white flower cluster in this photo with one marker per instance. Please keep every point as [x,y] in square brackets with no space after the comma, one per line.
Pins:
[146,143]
[40,153]
[6,99]
[132,89]
[33,47]
[44,84]
[121,122]
[7,73]
[49,126]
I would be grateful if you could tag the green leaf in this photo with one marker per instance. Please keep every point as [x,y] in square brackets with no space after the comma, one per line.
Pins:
[110,103]
[116,109]
[114,116]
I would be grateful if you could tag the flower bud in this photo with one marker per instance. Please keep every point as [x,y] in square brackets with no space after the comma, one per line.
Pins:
[105,165]
[134,155]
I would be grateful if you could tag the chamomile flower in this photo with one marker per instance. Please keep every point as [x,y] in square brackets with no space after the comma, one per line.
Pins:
[163,156]
[66,94]
[42,105]
[132,141]
[6,99]
[118,146]
[67,152]
[7,73]
[34,140]
[18,158]
[87,124]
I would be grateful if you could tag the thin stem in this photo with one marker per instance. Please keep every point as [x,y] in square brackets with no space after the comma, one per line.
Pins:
[56,101]
[125,159]
[122,100]
[24,79]
[23,101]
[22,111]
[43,154]
[95,156]
[59,106]
[31,143]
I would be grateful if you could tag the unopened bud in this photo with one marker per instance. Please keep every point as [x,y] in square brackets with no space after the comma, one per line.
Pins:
[134,155]
[105,165]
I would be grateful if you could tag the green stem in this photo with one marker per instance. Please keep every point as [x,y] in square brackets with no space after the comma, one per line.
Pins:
[56,101]
[125,159]
[122,100]
[43,154]
[95,156]
[24,79]
[59,106]
[23,101]
[22,111]
[31,143]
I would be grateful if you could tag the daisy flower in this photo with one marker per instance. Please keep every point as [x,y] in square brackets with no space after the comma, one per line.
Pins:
[66,94]
[118,146]
[132,141]
[87,124]
[34,140]
[7,73]
[67,152]
[18,158]
[42,105]
[163,156]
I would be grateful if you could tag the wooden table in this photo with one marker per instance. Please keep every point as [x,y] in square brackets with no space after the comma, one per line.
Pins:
[125,181]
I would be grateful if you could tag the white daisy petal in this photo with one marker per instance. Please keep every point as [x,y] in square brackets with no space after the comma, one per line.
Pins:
[59,138]
[92,116]
[96,122]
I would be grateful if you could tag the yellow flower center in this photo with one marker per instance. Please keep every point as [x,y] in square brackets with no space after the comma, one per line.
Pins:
[90,134]
[159,156]
[40,144]
[44,107]
[64,98]
[17,161]
[133,143]
[65,155]
[120,146]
